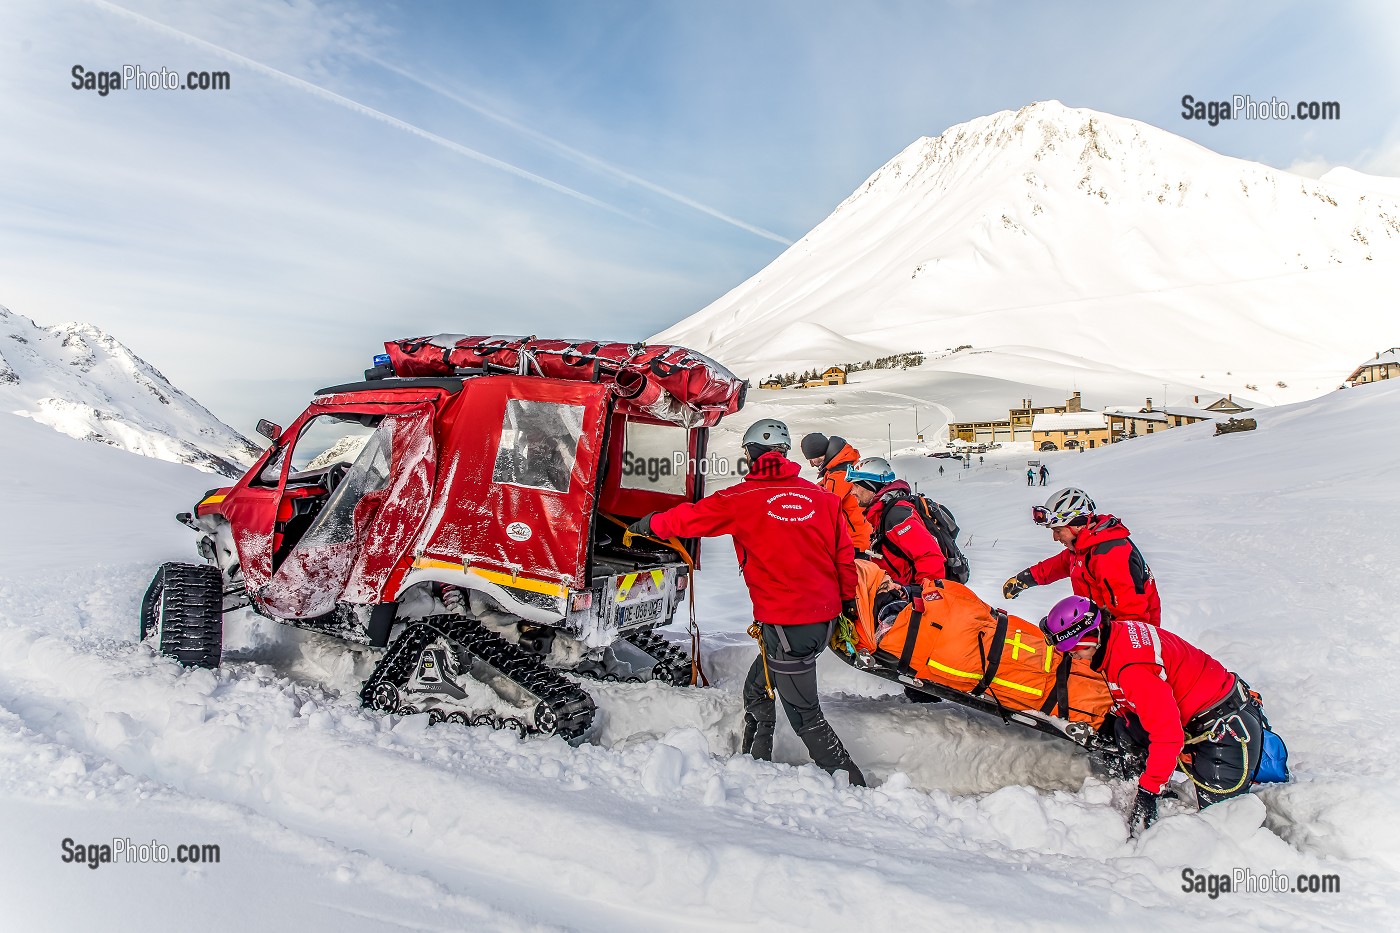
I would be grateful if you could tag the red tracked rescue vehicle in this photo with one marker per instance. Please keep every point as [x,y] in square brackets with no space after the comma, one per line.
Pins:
[463,507]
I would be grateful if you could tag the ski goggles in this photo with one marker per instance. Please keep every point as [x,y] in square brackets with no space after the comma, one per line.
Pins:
[1048,519]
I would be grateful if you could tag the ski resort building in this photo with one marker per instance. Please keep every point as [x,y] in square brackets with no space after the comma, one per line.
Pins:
[1384,366]
[1225,406]
[1018,425]
[1126,423]
[834,376]
[1069,430]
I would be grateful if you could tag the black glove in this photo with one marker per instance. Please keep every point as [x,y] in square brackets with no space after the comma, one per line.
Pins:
[1022,581]
[850,610]
[1144,812]
[642,526]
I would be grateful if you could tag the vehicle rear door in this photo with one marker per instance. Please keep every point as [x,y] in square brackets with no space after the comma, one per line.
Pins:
[527,487]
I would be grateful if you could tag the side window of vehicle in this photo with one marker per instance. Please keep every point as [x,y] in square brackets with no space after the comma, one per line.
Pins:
[324,441]
[330,439]
[539,441]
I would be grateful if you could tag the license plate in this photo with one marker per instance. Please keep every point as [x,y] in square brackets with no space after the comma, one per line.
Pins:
[637,613]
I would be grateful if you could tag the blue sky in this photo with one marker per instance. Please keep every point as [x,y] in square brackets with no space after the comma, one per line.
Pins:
[560,168]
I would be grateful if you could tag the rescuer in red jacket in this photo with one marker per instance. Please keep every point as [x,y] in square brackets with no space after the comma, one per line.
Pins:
[796,557]
[1101,561]
[833,457]
[1170,696]
[904,548]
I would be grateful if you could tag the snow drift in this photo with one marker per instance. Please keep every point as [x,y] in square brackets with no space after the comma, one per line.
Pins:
[1270,552]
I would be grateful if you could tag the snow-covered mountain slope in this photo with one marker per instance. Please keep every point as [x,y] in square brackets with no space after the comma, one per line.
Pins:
[880,410]
[1272,551]
[82,382]
[1085,233]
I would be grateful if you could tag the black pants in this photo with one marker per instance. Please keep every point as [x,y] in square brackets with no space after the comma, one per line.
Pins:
[1218,763]
[792,652]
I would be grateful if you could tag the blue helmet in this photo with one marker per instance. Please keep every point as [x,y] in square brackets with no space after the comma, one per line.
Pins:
[872,473]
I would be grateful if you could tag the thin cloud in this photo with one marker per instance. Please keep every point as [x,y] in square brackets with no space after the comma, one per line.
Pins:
[360,108]
[581,158]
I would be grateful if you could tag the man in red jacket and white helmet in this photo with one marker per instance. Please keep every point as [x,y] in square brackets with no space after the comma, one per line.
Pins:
[1180,698]
[1101,561]
[796,556]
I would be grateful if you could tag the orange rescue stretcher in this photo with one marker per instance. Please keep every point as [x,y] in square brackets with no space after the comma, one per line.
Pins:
[951,645]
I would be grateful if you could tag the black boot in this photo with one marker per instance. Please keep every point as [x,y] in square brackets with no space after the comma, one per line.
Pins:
[828,753]
[758,738]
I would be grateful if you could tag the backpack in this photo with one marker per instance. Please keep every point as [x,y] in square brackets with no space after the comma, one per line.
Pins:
[944,528]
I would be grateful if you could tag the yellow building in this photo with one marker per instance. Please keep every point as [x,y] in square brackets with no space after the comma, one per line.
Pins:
[1017,426]
[1126,423]
[835,376]
[1069,430]
[1385,366]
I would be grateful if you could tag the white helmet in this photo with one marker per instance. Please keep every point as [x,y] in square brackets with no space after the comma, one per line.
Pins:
[873,473]
[768,433]
[1063,507]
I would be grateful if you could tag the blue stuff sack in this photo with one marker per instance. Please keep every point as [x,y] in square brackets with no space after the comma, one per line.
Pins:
[1273,760]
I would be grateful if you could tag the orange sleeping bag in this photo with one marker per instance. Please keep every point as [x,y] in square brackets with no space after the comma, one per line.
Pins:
[952,638]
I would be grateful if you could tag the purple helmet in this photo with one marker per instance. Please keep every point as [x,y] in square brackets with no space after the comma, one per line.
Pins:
[1069,621]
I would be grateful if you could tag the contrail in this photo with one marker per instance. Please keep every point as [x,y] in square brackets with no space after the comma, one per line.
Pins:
[358,107]
[574,154]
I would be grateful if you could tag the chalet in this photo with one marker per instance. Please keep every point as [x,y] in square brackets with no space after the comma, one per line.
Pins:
[1384,366]
[1126,423]
[770,384]
[1069,430]
[1225,406]
[834,376]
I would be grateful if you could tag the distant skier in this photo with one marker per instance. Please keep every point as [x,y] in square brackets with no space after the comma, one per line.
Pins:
[940,469]
[796,557]
[1030,476]
[1044,474]
[833,457]
[981,460]
[1101,561]
[1169,697]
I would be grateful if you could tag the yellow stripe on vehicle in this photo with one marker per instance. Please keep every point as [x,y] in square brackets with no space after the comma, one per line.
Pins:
[996,680]
[502,579]
[658,577]
[626,586]
[212,500]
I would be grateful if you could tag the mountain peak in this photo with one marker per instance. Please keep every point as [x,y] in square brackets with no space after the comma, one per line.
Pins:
[81,381]
[1080,232]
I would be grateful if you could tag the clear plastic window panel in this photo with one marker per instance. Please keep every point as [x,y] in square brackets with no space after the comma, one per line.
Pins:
[655,458]
[330,439]
[370,473]
[539,441]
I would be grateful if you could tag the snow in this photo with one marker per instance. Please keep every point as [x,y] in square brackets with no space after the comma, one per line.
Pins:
[1272,551]
[83,383]
[1068,421]
[1087,234]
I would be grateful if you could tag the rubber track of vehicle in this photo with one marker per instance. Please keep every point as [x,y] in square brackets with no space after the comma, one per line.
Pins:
[192,595]
[573,709]
[673,663]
